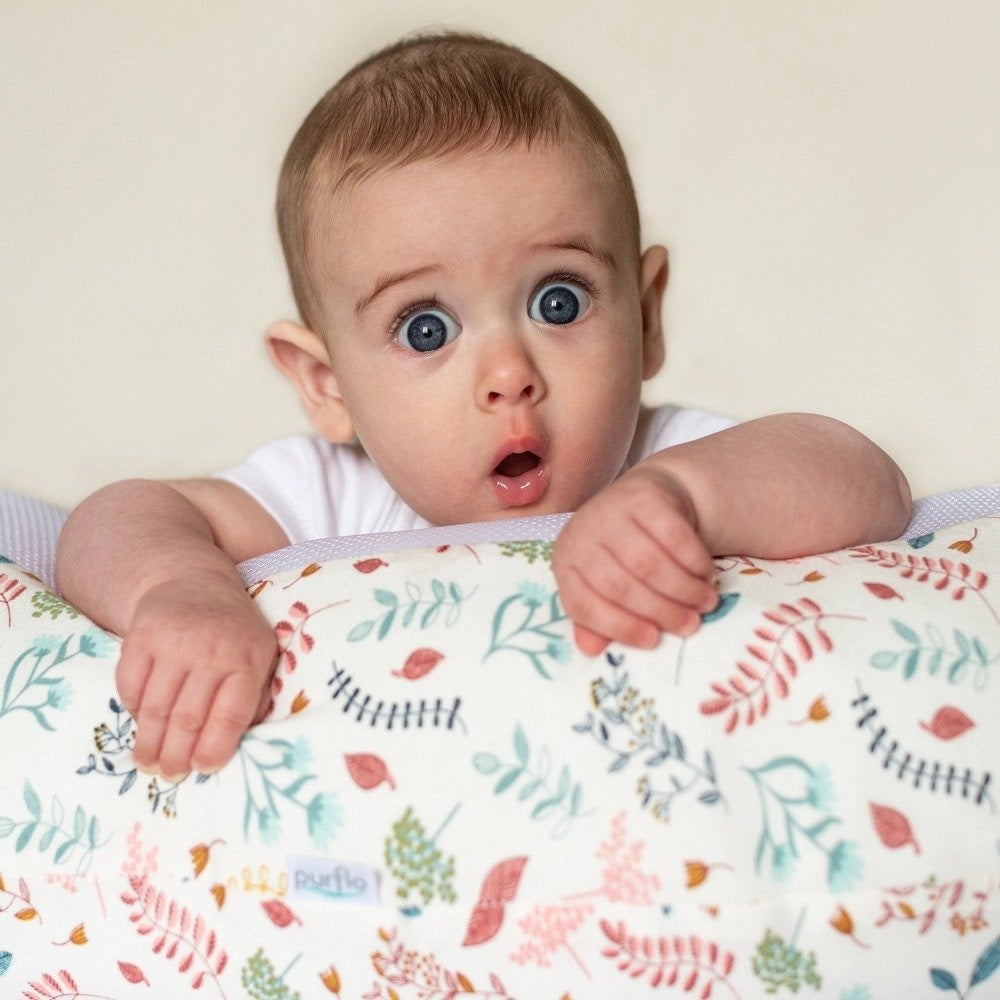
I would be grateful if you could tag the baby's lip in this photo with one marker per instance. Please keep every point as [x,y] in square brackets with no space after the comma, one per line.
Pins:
[509,455]
[519,476]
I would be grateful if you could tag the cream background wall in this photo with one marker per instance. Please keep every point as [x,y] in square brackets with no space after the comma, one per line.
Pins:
[826,176]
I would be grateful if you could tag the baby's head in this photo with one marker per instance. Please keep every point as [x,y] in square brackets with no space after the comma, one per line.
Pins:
[462,238]
[422,98]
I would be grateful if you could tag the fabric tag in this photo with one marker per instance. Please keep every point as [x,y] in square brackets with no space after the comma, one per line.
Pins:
[332,879]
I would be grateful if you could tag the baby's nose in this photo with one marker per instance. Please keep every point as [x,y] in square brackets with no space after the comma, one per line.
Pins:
[509,376]
[527,392]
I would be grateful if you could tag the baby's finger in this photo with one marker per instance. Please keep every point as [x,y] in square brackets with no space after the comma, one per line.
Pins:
[617,585]
[592,609]
[229,717]
[263,705]
[675,537]
[153,717]
[187,719]
[588,642]
[131,676]
[650,581]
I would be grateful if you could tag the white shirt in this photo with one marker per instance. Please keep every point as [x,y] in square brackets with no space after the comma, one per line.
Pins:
[315,489]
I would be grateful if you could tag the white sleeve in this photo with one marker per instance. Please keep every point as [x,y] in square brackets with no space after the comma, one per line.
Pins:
[290,479]
[316,489]
[670,425]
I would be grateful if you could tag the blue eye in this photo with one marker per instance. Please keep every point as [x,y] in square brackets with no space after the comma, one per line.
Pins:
[560,302]
[428,330]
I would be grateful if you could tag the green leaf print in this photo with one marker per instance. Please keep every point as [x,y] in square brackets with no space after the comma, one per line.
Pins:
[417,862]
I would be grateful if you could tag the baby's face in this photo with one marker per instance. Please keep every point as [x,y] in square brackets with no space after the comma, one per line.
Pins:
[483,318]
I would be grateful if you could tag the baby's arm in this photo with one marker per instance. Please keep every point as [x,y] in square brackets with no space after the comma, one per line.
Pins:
[635,559]
[155,562]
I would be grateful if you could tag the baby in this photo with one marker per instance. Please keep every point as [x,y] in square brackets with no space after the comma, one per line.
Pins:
[478,317]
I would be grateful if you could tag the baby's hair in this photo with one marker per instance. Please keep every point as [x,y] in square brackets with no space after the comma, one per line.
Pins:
[426,96]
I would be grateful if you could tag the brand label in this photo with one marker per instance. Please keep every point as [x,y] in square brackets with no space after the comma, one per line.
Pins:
[337,881]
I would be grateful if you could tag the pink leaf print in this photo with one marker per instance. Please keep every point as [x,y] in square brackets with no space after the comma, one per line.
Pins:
[12,589]
[485,922]
[940,574]
[883,591]
[153,911]
[419,663]
[499,887]
[280,913]
[369,565]
[502,880]
[664,960]
[60,987]
[772,662]
[893,827]
[368,770]
[948,723]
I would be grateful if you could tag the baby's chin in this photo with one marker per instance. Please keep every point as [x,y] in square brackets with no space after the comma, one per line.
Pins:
[499,497]
[480,512]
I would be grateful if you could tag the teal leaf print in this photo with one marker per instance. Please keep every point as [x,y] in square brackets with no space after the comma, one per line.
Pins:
[524,623]
[986,964]
[944,980]
[520,744]
[856,993]
[960,658]
[53,830]
[727,602]
[920,541]
[360,631]
[5,959]
[266,765]
[31,800]
[414,607]
[559,796]
[35,685]
[795,801]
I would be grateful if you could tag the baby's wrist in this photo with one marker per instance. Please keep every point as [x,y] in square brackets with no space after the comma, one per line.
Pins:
[667,482]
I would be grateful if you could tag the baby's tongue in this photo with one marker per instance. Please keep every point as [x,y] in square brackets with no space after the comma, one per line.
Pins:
[517,464]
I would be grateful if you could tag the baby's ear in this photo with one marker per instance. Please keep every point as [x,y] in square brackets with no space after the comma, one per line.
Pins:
[653,271]
[301,356]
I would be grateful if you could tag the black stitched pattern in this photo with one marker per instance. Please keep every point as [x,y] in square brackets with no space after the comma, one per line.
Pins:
[367,708]
[924,774]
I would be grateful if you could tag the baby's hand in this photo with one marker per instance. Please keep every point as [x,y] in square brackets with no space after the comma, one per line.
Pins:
[630,563]
[194,673]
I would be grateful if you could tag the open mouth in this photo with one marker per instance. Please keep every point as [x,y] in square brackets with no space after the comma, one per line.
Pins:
[519,478]
[517,464]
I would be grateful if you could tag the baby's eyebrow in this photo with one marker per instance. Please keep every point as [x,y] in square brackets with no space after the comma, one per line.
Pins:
[582,245]
[386,281]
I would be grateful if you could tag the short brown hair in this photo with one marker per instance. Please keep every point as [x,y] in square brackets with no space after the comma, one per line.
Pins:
[426,96]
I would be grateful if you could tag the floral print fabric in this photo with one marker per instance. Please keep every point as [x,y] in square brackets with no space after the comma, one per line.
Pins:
[448,800]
